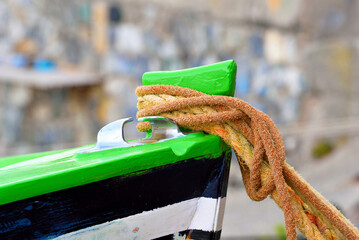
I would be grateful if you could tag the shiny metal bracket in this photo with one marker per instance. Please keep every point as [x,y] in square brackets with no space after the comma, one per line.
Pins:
[112,135]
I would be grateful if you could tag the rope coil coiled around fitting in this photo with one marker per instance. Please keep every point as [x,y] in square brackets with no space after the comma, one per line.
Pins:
[260,151]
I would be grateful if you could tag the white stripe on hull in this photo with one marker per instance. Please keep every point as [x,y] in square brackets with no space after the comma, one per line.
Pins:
[204,214]
[207,214]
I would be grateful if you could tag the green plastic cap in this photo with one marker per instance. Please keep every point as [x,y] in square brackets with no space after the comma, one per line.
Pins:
[214,79]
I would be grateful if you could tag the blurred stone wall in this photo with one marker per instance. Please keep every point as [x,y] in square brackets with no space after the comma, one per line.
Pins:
[329,39]
[296,59]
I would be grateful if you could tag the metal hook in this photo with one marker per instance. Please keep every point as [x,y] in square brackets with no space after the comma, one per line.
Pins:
[112,135]
[162,128]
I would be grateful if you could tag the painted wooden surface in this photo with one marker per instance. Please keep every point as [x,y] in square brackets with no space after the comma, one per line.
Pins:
[27,176]
[194,186]
[214,79]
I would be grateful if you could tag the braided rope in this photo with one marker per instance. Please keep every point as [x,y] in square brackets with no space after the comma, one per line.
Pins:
[260,152]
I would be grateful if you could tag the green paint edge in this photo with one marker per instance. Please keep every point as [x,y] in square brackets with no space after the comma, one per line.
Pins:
[6,161]
[214,79]
[73,169]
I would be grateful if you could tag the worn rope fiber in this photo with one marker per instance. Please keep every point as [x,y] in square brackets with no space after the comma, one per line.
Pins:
[260,152]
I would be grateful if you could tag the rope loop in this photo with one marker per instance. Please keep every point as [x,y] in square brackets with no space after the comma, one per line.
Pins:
[260,151]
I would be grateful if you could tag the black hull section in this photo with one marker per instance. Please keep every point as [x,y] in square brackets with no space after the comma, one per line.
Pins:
[195,234]
[57,213]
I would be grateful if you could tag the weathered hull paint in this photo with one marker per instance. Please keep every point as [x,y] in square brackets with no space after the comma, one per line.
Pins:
[195,214]
[71,210]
